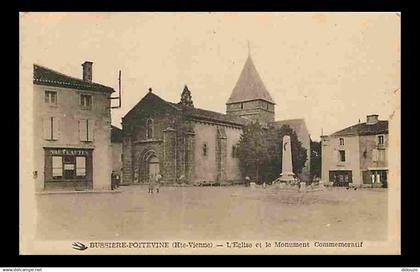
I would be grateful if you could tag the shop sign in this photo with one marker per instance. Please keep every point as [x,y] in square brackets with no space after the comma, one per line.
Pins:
[73,152]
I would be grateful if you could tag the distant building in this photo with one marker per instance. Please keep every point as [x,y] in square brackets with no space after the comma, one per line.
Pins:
[193,145]
[116,142]
[72,131]
[357,154]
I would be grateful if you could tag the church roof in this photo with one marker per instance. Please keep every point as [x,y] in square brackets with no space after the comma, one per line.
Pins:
[211,115]
[151,100]
[249,86]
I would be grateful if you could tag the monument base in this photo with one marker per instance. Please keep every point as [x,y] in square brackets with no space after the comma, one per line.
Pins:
[285,178]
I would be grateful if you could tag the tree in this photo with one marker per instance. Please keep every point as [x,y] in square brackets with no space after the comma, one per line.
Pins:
[315,159]
[275,149]
[253,151]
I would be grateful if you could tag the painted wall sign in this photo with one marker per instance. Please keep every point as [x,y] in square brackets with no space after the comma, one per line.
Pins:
[74,152]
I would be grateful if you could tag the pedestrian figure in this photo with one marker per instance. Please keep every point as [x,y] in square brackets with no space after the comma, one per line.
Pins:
[151,184]
[117,180]
[264,185]
[157,180]
[112,180]
[248,180]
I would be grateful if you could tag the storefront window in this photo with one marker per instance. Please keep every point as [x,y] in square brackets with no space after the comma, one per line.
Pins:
[57,167]
[80,166]
[64,164]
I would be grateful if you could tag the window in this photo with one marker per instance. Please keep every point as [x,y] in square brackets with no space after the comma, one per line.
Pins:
[86,101]
[69,167]
[86,129]
[51,97]
[50,128]
[342,155]
[81,166]
[149,129]
[205,148]
[242,106]
[381,139]
[57,167]
[341,141]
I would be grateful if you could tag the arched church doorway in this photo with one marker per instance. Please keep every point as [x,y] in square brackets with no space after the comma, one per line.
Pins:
[153,166]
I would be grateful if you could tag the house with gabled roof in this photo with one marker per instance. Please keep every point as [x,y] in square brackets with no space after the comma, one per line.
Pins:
[72,131]
[357,154]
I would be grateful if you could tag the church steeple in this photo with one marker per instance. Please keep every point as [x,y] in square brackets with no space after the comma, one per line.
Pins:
[250,98]
[186,98]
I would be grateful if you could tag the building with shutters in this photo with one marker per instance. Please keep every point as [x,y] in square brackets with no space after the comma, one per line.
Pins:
[191,145]
[357,154]
[72,131]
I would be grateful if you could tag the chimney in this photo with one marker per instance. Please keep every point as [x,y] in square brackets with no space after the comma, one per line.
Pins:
[372,119]
[87,71]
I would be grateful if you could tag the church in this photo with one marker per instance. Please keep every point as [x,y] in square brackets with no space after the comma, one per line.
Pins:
[186,144]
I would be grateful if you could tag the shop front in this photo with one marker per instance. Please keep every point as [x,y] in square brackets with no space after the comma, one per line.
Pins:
[341,177]
[68,169]
[376,175]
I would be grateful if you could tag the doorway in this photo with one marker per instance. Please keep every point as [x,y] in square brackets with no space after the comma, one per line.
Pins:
[153,165]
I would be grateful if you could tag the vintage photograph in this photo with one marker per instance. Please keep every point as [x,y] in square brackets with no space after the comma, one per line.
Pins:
[210,133]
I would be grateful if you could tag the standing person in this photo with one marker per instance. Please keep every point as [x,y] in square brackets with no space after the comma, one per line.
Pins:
[248,180]
[112,180]
[151,183]
[157,179]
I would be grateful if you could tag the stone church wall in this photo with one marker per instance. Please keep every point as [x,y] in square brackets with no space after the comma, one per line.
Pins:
[205,165]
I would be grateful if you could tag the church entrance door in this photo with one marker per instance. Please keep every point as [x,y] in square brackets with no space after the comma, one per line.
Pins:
[153,167]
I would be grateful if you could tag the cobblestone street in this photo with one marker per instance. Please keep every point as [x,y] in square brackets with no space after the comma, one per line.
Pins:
[208,213]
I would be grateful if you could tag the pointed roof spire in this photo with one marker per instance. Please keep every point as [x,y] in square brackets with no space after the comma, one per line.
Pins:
[186,98]
[249,85]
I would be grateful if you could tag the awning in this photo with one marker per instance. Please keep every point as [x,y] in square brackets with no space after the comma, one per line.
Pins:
[378,168]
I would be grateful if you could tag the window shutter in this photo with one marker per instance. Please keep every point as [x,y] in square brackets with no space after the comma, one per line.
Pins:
[375,155]
[91,129]
[82,130]
[47,128]
[56,127]
[80,166]
[57,166]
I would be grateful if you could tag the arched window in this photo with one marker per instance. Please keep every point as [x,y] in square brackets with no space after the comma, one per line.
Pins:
[205,149]
[149,129]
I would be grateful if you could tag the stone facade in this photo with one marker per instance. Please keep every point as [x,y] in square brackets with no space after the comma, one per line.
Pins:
[191,145]
[256,110]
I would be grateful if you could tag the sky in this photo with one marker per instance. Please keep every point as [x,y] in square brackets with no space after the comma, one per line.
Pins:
[332,69]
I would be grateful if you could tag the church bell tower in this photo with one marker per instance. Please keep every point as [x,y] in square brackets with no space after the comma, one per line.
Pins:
[250,99]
